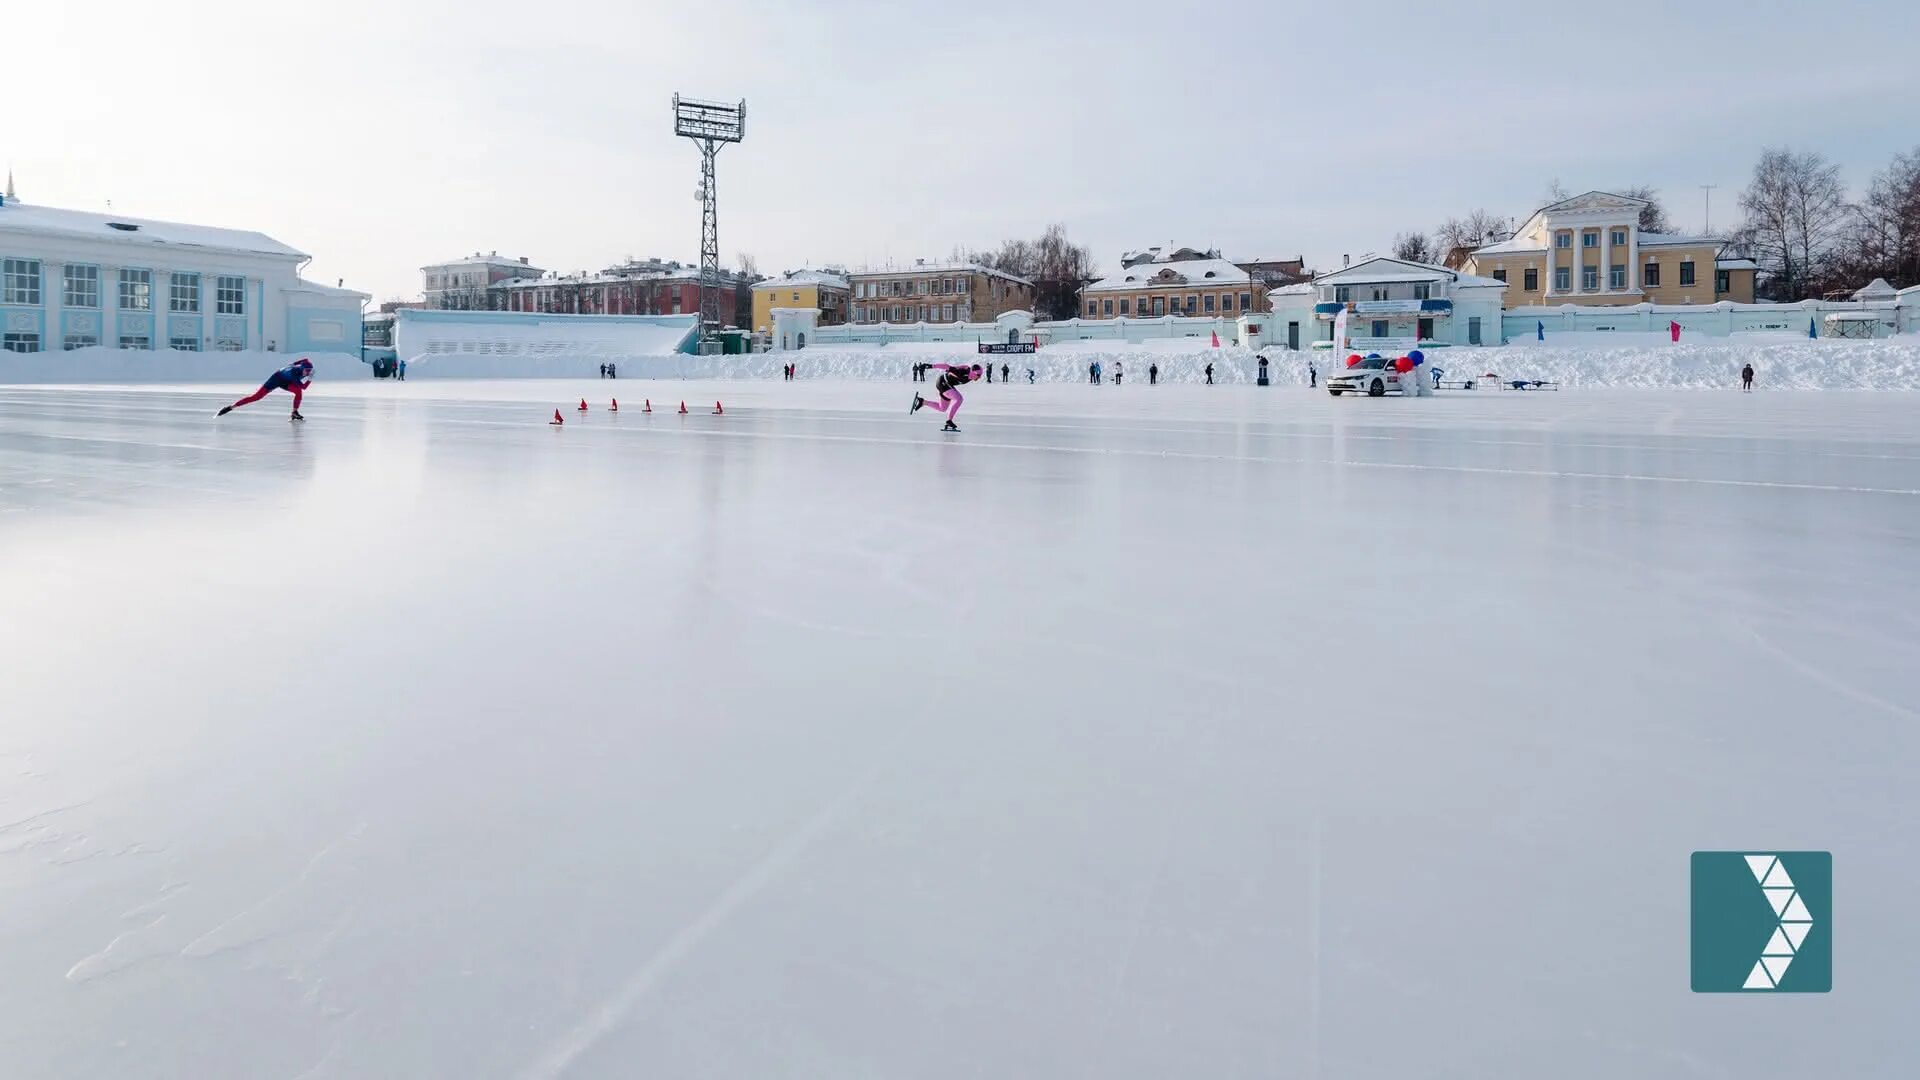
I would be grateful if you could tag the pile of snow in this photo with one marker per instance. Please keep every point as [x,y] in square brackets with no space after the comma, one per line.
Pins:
[102,364]
[1780,361]
[1065,362]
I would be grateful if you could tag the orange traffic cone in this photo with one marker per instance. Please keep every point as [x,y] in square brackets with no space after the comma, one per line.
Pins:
[717,410]
[557,419]
[646,405]
[616,405]
[583,404]
[683,408]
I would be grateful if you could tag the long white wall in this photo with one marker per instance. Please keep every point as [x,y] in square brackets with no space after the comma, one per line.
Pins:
[1116,330]
[1709,320]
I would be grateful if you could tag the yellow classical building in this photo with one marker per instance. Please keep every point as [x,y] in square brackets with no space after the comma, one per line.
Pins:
[825,290]
[1590,250]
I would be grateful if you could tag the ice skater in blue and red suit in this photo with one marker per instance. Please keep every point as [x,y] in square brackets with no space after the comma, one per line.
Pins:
[294,378]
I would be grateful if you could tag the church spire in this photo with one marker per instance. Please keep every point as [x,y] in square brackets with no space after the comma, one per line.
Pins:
[11,197]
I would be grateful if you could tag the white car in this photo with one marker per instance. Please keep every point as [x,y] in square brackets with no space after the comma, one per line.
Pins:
[1374,376]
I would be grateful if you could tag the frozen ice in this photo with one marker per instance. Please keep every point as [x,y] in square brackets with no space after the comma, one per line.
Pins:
[1132,732]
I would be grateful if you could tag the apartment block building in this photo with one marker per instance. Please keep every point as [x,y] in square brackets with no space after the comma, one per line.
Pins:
[937,293]
[467,284]
[826,291]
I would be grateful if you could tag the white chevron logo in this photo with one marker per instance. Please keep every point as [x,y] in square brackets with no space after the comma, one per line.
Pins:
[1794,921]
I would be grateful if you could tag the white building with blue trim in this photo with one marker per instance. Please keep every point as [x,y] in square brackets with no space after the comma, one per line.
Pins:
[72,280]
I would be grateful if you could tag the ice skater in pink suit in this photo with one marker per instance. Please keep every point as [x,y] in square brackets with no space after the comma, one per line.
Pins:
[952,377]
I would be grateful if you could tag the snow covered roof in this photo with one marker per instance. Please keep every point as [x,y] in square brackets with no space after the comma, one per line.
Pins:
[22,218]
[477,259]
[1383,270]
[328,290]
[1647,239]
[1185,273]
[1511,246]
[1296,289]
[1735,264]
[922,266]
[804,277]
[1877,289]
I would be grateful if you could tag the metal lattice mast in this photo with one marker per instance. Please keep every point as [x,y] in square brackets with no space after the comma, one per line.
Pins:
[711,125]
[709,242]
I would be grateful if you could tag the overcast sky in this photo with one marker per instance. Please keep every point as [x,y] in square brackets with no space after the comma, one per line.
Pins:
[383,136]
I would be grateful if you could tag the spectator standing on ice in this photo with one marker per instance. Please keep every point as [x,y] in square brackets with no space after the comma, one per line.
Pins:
[1006,373]
[1029,376]
[603,371]
[1153,374]
[1313,375]
[1209,373]
[613,371]
[1093,372]
[400,369]
[1746,378]
[1263,372]
[989,372]
[1119,370]
[294,378]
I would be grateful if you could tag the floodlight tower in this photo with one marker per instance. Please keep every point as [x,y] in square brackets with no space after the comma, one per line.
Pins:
[712,125]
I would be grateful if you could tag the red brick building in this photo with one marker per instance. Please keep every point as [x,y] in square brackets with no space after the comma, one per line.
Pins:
[649,287]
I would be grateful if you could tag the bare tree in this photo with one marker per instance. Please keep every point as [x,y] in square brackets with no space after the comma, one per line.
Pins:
[1058,268]
[1414,247]
[749,269]
[1556,191]
[1796,211]
[1465,234]
[1653,216]
[1884,240]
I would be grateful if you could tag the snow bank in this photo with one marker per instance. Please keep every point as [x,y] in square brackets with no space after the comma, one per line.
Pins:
[1066,362]
[1574,360]
[106,365]
[1780,361]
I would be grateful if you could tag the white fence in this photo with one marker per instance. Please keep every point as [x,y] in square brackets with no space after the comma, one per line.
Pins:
[1708,320]
[1117,330]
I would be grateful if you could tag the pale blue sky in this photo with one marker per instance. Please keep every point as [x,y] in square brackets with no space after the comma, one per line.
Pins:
[382,136]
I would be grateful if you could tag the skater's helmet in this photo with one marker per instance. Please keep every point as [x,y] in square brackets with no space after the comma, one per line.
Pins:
[977,373]
[303,364]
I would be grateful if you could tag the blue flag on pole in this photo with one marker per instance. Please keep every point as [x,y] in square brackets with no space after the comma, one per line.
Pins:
[1812,330]
[1540,329]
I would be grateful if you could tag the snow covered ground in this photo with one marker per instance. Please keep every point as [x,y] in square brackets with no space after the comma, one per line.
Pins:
[1135,732]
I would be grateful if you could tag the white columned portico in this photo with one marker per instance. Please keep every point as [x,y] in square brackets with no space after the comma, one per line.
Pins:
[1606,258]
[1553,243]
[1633,256]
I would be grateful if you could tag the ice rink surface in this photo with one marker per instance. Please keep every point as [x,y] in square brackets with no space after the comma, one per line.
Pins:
[1134,732]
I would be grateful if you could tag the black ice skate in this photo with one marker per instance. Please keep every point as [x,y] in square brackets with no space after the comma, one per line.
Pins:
[950,426]
[917,402]
[296,415]
[224,410]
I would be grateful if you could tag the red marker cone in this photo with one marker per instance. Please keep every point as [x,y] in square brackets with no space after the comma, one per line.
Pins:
[683,408]
[717,410]
[557,419]
[583,404]
[616,405]
[646,405]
